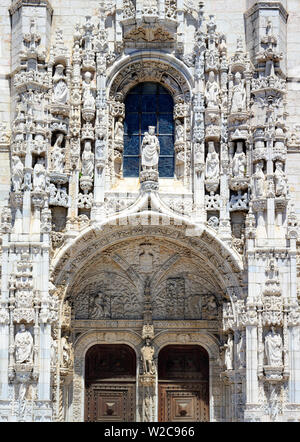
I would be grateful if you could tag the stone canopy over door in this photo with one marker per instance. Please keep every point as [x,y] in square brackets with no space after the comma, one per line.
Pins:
[110,384]
[183,384]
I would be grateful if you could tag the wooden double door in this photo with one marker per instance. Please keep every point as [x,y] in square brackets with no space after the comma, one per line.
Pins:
[183,389]
[110,384]
[110,388]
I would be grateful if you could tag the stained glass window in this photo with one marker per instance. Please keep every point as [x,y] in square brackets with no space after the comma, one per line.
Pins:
[148,104]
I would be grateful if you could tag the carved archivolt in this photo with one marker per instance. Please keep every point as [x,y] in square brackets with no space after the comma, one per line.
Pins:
[149,69]
[222,264]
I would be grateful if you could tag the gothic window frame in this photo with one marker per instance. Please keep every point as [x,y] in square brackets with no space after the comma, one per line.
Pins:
[139,115]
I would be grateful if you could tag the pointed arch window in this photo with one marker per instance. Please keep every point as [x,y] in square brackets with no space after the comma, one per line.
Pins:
[148,104]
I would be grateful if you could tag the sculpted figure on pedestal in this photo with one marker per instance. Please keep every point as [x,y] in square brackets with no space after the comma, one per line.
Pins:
[17,173]
[280,180]
[23,346]
[212,91]
[88,99]
[39,176]
[66,350]
[179,131]
[212,163]
[147,352]
[119,130]
[150,150]
[229,353]
[273,348]
[259,181]
[239,161]
[87,160]
[238,95]
[57,156]
[60,88]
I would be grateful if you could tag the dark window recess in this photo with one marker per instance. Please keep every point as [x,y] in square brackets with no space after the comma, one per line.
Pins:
[148,104]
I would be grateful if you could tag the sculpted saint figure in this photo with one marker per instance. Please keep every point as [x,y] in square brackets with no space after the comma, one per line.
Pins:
[280,180]
[88,99]
[150,150]
[66,348]
[212,162]
[273,348]
[99,308]
[39,175]
[229,353]
[147,352]
[239,161]
[259,180]
[238,95]
[17,173]
[87,160]
[23,346]
[212,91]
[57,156]
[119,130]
[179,131]
[60,88]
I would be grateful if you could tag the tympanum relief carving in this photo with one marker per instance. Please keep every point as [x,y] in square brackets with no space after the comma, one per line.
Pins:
[177,289]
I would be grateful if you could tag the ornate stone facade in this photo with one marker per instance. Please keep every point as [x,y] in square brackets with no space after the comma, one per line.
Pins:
[206,258]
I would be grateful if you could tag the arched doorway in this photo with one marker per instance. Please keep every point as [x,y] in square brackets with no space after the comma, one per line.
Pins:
[110,373]
[183,384]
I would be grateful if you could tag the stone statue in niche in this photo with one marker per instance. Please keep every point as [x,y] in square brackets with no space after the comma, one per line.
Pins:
[17,173]
[150,150]
[87,160]
[259,181]
[66,351]
[212,91]
[238,94]
[241,350]
[280,180]
[212,164]
[53,351]
[87,99]
[179,131]
[57,155]
[23,346]
[239,161]
[273,348]
[39,176]
[99,307]
[60,88]
[229,353]
[147,353]
[146,259]
[119,130]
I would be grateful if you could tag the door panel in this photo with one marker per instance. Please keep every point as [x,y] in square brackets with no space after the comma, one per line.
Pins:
[182,402]
[110,403]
